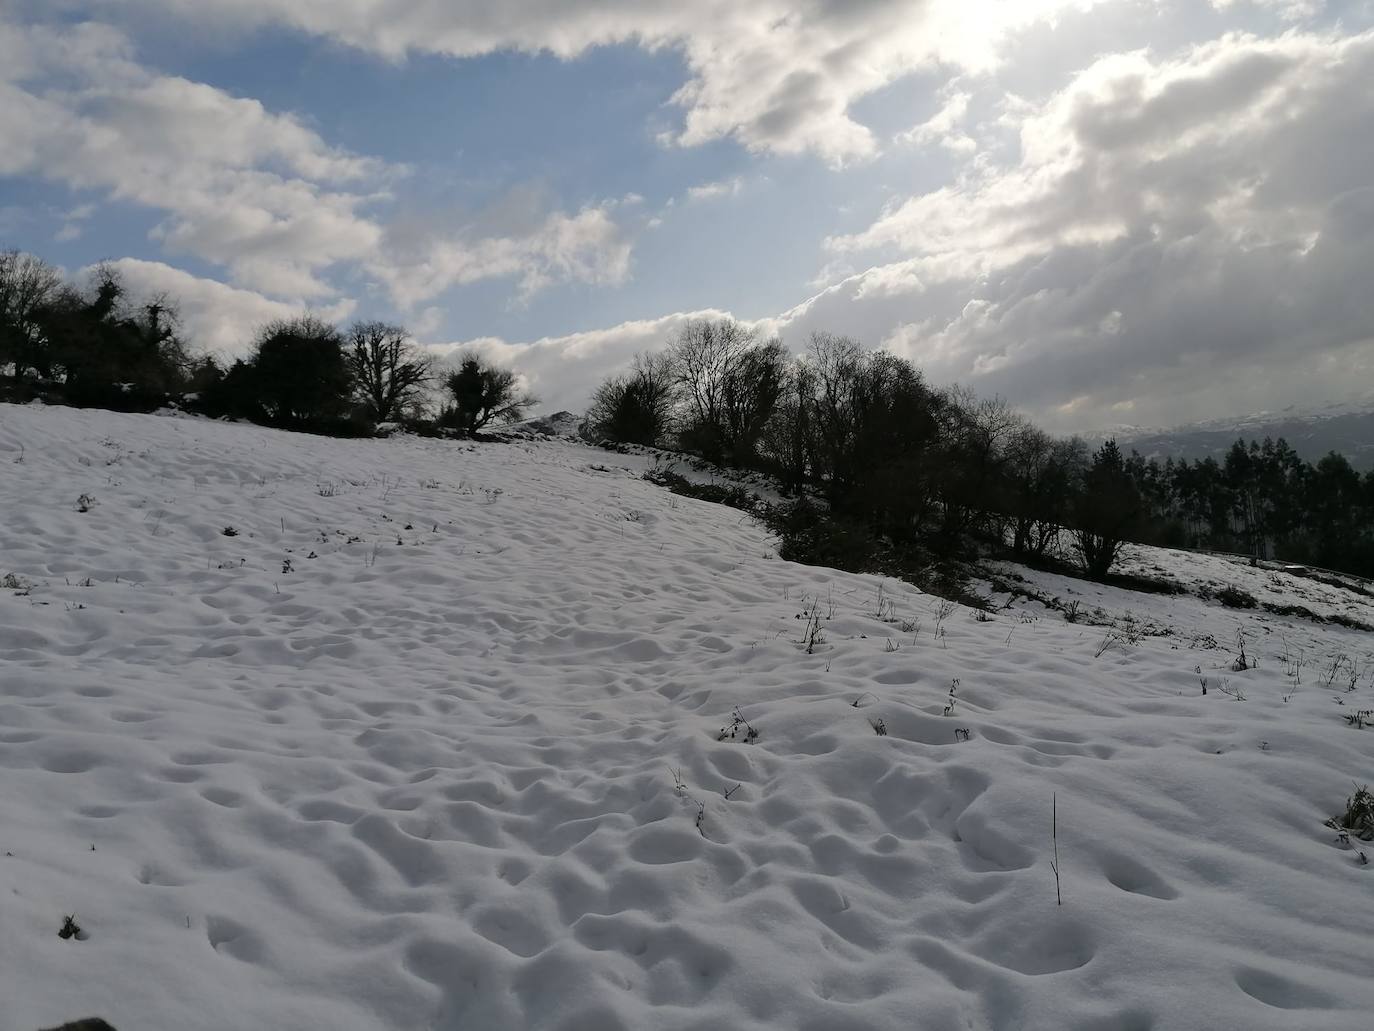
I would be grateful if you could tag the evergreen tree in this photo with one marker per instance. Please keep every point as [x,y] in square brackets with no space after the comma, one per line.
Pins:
[1107,512]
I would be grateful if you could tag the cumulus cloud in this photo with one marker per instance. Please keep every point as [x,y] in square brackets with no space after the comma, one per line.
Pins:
[1212,137]
[254,191]
[218,318]
[76,107]
[944,127]
[777,75]
[588,247]
[1177,233]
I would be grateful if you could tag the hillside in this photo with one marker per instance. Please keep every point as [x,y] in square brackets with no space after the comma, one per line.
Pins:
[412,734]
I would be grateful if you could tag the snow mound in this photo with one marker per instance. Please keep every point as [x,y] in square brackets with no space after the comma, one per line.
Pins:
[411,733]
[559,424]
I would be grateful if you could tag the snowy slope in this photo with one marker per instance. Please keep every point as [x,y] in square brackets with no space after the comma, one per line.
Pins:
[403,752]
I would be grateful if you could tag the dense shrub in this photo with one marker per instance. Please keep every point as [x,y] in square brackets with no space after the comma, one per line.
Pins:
[635,408]
[299,376]
[482,393]
[1235,598]
[808,533]
[730,495]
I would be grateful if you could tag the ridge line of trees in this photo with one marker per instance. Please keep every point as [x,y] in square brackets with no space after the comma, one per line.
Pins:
[96,346]
[908,472]
[1261,499]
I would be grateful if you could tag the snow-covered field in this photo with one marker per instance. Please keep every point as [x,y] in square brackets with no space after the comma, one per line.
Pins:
[410,734]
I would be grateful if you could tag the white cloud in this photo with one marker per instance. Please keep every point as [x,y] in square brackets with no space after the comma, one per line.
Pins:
[1214,136]
[72,222]
[588,247]
[254,191]
[217,318]
[564,370]
[777,75]
[1291,10]
[717,189]
[1178,233]
[943,127]
[76,108]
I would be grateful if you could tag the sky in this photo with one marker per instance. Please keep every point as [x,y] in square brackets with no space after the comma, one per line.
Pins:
[1109,212]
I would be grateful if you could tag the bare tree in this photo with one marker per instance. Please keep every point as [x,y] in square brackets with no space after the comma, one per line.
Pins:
[977,435]
[788,436]
[389,371]
[703,354]
[753,386]
[730,385]
[873,425]
[837,404]
[1040,476]
[27,286]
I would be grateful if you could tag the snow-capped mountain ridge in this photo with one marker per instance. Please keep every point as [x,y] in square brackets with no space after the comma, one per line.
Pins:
[1345,427]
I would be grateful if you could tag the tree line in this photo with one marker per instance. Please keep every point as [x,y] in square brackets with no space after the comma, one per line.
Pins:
[1261,499]
[96,346]
[909,473]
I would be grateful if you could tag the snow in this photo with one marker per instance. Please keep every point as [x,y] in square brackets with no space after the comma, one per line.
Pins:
[427,778]
[558,424]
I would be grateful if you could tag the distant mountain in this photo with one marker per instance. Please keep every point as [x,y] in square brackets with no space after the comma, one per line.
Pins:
[1347,428]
